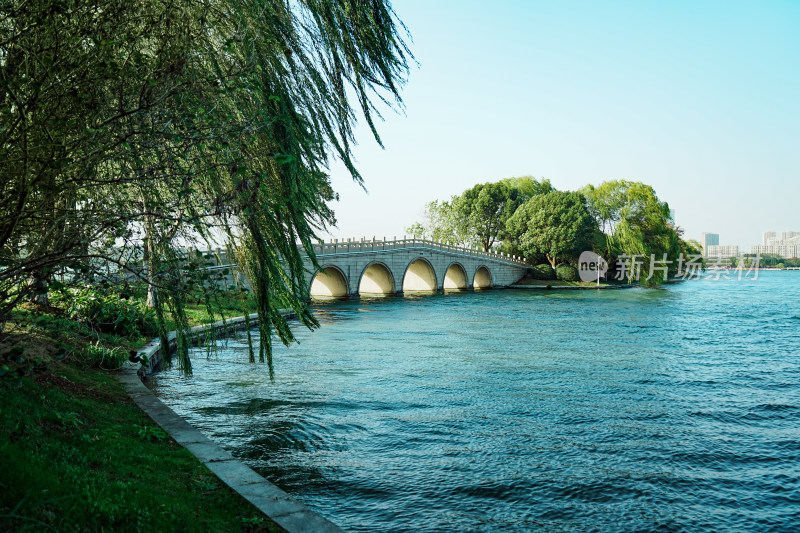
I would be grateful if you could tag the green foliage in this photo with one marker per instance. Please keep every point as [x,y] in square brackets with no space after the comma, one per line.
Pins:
[128,126]
[99,356]
[690,248]
[528,186]
[637,224]
[442,222]
[35,339]
[252,521]
[557,225]
[418,231]
[479,214]
[620,219]
[485,208]
[152,433]
[107,311]
[87,346]
[567,273]
[772,260]
[543,272]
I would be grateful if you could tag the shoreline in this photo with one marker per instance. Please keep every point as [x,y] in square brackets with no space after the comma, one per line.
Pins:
[555,287]
[286,511]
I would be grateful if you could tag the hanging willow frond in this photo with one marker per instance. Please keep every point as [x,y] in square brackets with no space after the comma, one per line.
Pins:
[167,124]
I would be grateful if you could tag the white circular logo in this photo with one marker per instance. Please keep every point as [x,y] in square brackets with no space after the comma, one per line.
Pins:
[589,264]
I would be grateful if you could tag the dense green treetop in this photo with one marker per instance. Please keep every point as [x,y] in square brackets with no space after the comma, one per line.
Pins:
[630,224]
[638,225]
[529,186]
[477,216]
[556,225]
[485,209]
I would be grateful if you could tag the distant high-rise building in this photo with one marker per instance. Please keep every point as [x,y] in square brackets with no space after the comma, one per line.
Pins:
[787,246]
[722,251]
[786,251]
[708,239]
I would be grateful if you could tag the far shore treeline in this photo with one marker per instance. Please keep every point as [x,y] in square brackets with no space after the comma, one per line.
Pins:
[528,217]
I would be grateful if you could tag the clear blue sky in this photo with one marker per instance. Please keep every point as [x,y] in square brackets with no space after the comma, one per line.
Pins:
[701,100]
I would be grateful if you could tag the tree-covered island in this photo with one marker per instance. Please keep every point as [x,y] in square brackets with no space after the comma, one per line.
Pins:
[623,221]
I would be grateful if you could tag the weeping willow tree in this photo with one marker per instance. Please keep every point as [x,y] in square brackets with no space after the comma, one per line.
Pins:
[158,123]
[638,227]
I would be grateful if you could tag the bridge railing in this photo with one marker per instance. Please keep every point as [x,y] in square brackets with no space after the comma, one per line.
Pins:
[339,246]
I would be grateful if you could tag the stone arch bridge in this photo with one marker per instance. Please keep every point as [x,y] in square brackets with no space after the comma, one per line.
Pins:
[353,268]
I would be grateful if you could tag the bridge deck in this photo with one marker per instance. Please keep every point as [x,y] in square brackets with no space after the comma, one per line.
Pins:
[353,246]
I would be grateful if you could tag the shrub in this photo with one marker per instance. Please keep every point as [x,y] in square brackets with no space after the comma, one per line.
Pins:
[99,356]
[108,312]
[567,273]
[543,271]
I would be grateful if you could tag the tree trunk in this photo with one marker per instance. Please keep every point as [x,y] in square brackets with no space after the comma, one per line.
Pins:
[40,284]
[152,290]
[152,293]
[149,261]
[551,260]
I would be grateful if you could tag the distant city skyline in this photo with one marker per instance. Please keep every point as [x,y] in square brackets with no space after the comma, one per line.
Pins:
[788,245]
[697,99]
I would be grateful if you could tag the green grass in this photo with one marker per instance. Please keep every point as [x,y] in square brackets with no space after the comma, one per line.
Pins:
[35,335]
[79,455]
[229,307]
[76,454]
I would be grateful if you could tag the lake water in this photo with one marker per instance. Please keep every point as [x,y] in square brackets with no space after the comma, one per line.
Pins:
[675,409]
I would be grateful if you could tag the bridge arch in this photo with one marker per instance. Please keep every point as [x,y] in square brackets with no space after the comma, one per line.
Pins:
[482,278]
[419,276]
[376,278]
[329,282]
[455,277]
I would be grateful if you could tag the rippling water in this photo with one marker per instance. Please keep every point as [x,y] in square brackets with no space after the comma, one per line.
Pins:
[634,410]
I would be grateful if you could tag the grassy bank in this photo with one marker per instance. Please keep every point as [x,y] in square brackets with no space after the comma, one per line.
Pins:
[78,455]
